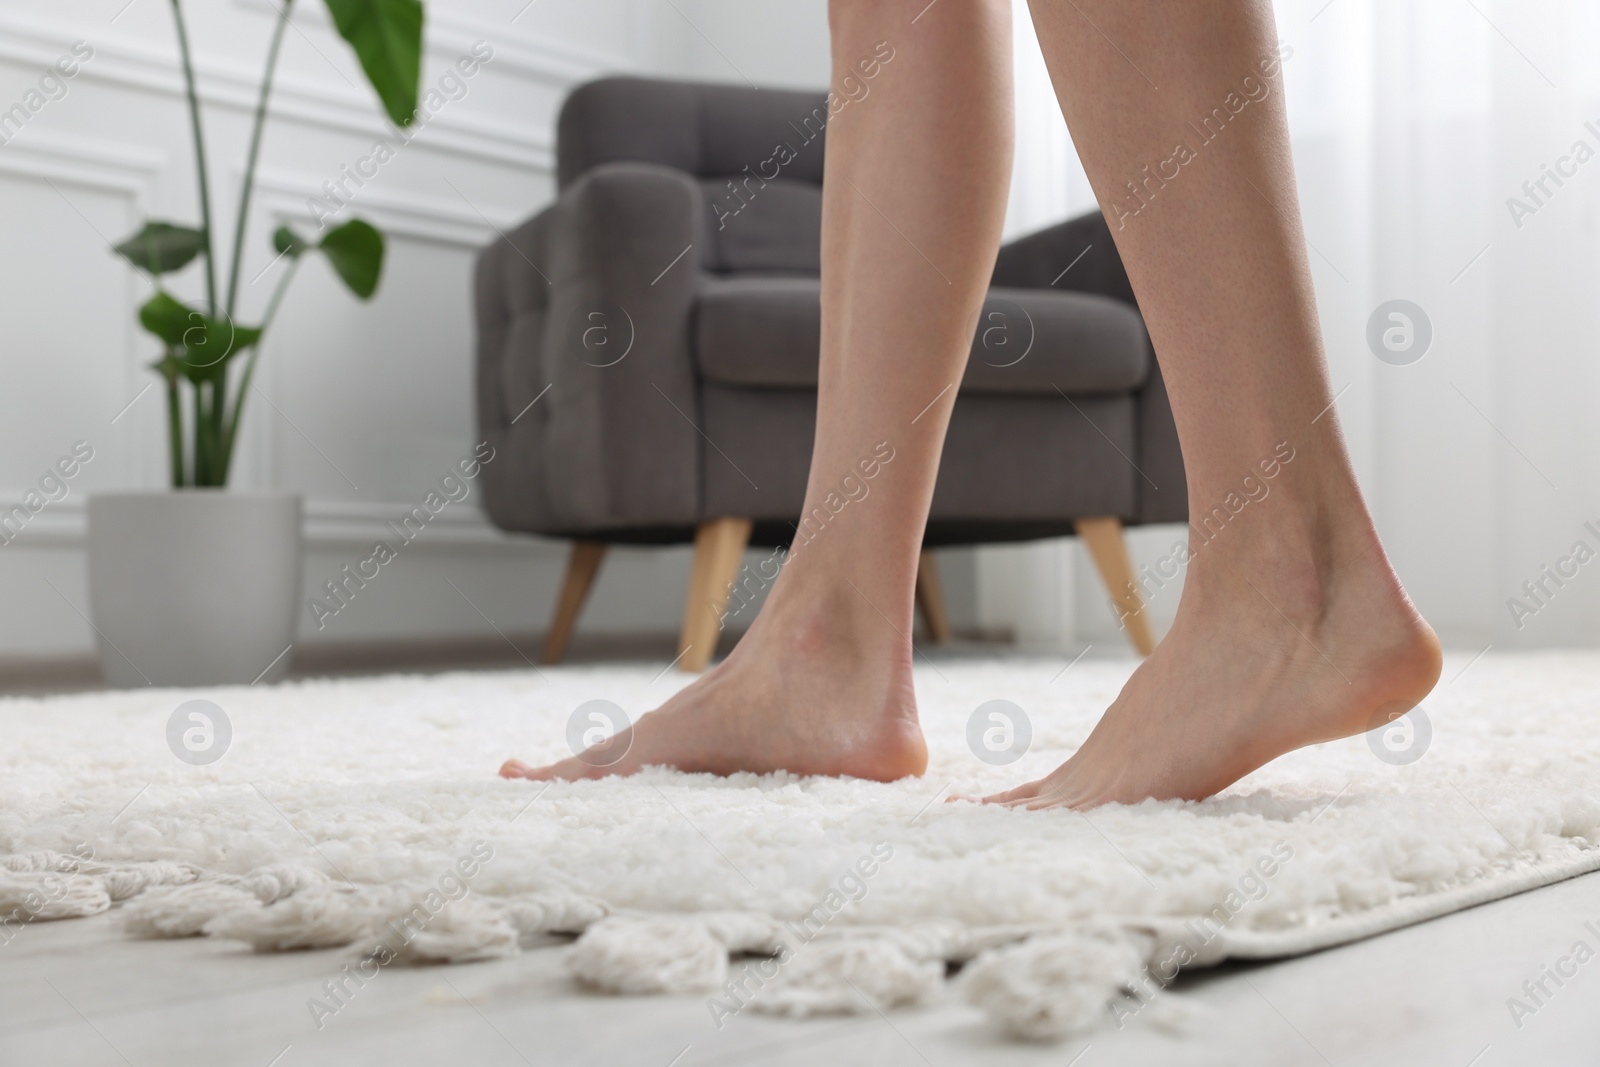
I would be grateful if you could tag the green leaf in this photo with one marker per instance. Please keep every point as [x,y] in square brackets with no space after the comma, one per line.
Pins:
[208,344]
[166,318]
[356,252]
[198,345]
[387,38]
[162,247]
[286,241]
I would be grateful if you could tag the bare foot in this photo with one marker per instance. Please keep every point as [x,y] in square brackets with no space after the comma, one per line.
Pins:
[820,687]
[1272,649]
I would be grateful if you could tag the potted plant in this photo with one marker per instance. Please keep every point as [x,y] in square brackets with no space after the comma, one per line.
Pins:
[198,585]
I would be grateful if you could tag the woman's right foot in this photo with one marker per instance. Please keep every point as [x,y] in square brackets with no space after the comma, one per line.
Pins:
[821,687]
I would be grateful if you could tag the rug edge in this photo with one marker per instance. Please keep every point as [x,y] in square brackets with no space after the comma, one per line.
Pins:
[1261,945]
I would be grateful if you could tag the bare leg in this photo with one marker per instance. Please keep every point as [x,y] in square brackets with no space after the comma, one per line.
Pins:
[1292,628]
[914,199]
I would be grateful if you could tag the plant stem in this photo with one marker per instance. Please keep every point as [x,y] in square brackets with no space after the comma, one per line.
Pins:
[202,468]
[232,431]
[199,155]
[219,395]
[174,425]
[277,297]
[255,150]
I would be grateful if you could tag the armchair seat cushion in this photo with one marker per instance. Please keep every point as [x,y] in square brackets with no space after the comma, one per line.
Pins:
[764,330]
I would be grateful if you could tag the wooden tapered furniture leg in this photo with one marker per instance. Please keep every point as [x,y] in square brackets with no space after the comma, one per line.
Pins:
[1103,536]
[930,598]
[718,544]
[583,563]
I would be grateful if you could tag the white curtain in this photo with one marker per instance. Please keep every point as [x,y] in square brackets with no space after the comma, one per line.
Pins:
[1448,154]
[1415,127]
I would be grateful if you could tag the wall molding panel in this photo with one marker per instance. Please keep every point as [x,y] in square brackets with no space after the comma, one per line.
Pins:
[113,168]
[328,524]
[450,33]
[446,220]
[332,103]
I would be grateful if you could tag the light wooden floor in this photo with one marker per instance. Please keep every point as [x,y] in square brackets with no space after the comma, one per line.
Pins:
[76,993]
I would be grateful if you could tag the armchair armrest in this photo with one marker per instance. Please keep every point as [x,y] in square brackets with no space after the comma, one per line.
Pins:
[587,308]
[1038,260]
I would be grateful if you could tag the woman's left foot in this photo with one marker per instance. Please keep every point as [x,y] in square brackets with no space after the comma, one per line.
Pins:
[1269,653]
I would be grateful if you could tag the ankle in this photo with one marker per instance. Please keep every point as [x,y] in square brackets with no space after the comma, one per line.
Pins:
[1291,494]
[1298,551]
[820,614]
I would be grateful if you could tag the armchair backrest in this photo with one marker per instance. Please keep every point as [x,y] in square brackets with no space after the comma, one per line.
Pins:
[756,154]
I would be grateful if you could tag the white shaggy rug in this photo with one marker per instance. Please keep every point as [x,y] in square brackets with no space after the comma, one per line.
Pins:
[367,814]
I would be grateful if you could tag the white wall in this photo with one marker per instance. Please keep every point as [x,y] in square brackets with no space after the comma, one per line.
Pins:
[780,44]
[368,403]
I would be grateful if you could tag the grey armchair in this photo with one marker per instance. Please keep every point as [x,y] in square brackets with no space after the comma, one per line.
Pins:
[648,352]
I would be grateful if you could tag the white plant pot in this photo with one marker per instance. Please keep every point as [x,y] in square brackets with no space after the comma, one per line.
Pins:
[194,586]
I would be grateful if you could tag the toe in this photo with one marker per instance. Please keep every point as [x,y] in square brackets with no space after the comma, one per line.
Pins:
[1051,795]
[566,770]
[1049,800]
[1011,797]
